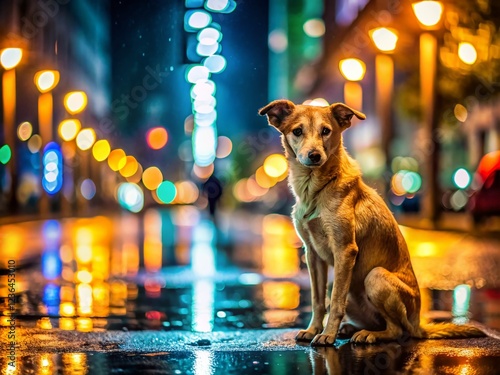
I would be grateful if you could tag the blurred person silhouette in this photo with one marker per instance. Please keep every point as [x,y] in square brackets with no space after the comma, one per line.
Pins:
[212,189]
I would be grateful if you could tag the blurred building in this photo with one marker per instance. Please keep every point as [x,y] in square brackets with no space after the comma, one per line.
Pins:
[73,38]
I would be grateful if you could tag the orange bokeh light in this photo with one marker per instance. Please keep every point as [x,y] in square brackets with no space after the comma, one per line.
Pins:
[157,138]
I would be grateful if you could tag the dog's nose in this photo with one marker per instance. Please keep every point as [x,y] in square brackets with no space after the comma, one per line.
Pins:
[314,156]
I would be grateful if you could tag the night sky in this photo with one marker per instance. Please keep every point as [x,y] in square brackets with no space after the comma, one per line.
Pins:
[149,36]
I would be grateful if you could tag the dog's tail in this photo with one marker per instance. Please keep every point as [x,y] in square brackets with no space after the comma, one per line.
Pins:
[449,331]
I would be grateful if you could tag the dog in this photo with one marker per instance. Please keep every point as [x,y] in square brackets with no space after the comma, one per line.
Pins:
[344,223]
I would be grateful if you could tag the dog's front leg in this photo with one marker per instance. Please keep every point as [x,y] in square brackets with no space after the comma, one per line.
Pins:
[318,273]
[343,264]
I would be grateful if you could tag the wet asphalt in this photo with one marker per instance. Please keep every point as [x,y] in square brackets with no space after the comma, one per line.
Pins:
[101,296]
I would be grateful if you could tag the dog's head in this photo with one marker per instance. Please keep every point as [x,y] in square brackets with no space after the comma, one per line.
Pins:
[312,133]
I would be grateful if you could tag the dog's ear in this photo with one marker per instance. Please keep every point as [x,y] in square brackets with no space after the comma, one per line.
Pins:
[343,114]
[277,111]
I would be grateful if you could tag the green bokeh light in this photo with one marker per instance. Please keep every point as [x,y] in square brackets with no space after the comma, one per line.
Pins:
[411,182]
[166,192]
[5,154]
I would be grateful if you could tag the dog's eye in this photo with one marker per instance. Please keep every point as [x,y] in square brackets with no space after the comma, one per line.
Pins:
[297,132]
[325,131]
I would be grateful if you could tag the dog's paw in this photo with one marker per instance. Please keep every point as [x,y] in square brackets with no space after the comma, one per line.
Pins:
[323,340]
[364,337]
[306,334]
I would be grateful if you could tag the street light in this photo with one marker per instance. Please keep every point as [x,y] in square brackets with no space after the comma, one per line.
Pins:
[429,15]
[46,81]
[75,102]
[385,40]
[353,70]
[9,59]
[428,12]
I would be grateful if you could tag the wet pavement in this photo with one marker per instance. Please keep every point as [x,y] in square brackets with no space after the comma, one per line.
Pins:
[166,292]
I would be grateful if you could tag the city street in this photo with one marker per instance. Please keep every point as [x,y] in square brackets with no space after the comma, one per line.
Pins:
[153,154]
[165,292]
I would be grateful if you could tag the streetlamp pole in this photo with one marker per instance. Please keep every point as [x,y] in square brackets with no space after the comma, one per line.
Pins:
[9,59]
[429,15]
[353,71]
[45,81]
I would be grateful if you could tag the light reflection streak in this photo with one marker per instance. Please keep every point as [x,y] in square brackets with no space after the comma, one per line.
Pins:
[202,308]
[203,267]
[280,257]
[152,241]
[203,363]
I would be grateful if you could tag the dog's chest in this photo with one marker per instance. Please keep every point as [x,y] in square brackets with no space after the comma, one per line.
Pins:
[310,227]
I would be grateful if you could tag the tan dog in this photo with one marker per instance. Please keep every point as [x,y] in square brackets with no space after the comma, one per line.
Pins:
[344,223]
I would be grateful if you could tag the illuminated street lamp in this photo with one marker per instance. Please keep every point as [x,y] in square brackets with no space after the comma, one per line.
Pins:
[9,59]
[428,12]
[353,70]
[385,40]
[429,15]
[46,81]
[75,102]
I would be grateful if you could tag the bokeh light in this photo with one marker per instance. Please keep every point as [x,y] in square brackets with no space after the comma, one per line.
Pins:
[458,200]
[101,150]
[24,131]
[278,41]
[152,178]
[198,19]
[35,143]
[166,192]
[68,129]
[384,39]
[317,102]
[314,28]
[404,182]
[5,154]
[130,167]
[187,192]
[224,147]
[467,53]
[217,5]
[203,172]
[136,177]
[352,69]
[88,189]
[46,80]
[157,138]
[209,36]
[194,73]
[11,57]
[460,112]
[130,197]
[275,165]
[428,12]
[75,102]
[52,162]
[263,179]
[117,159]
[85,139]
[461,178]
[215,63]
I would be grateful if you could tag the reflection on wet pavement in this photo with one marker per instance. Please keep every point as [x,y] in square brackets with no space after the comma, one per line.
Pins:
[172,271]
[166,270]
